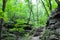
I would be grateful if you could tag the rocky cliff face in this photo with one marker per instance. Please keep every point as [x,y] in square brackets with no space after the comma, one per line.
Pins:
[53,26]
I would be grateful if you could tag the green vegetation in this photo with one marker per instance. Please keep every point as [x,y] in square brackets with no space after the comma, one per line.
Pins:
[19,14]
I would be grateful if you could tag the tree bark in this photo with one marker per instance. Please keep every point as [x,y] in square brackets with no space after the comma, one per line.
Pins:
[4,5]
[1,19]
[1,25]
[0,32]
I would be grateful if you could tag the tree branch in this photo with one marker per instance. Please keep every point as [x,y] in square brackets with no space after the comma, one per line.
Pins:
[50,6]
[58,2]
[45,8]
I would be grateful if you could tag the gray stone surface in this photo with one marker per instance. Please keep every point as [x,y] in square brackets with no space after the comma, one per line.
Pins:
[35,38]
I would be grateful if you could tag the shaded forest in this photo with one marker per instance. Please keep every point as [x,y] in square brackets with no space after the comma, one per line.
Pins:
[29,20]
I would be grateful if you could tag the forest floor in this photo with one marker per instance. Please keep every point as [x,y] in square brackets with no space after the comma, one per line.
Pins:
[35,36]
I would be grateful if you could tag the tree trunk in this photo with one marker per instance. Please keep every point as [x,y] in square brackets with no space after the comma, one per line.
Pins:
[1,25]
[1,19]
[0,32]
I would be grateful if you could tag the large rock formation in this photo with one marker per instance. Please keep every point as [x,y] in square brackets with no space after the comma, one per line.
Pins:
[52,31]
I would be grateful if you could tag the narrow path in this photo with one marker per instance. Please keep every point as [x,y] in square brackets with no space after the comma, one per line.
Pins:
[35,38]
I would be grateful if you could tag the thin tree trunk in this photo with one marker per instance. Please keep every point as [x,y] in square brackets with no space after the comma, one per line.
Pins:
[1,25]
[1,19]
[0,31]
[30,10]
[50,6]
[45,8]
[37,12]
[4,4]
